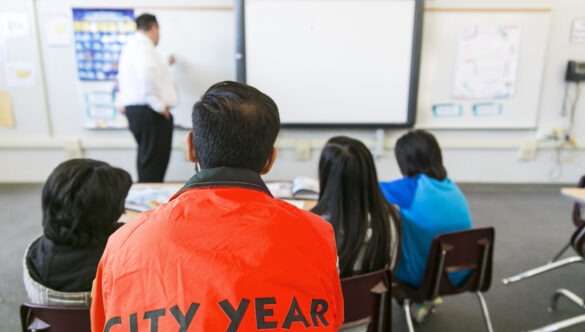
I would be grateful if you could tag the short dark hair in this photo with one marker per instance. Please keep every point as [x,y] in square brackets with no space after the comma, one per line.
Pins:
[418,152]
[82,201]
[234,125]
[351,200]
[145,22]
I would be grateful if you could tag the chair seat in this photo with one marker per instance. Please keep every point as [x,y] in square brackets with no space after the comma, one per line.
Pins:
[34,317]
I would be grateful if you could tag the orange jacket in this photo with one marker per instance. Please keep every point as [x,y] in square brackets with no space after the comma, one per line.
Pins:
[221,255]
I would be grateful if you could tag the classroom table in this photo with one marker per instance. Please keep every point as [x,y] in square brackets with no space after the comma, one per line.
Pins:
[173,187]
[577,194]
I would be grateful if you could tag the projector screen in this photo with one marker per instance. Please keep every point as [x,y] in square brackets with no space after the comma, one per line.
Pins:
[336,63]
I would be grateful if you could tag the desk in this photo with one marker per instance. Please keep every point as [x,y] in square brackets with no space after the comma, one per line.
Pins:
[144,196]
[577,194]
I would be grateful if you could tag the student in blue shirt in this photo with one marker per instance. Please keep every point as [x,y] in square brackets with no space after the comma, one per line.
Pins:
[430,203]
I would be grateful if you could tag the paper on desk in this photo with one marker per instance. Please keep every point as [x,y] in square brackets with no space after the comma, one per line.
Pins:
[147,198]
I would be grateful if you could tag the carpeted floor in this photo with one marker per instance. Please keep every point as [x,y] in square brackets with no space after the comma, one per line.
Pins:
[532,223]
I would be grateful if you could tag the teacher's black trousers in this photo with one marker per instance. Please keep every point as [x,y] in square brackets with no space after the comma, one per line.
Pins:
[154,135]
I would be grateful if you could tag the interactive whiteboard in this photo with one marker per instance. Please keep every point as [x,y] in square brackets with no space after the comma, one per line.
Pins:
[336,62]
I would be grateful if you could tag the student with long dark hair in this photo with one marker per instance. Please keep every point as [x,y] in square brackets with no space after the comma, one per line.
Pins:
[429,202]
[82,201]
[365,224]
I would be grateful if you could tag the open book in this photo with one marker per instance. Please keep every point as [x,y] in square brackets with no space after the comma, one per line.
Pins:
[143,198]
[301,187]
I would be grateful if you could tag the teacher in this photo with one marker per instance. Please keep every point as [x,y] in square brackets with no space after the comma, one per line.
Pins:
[147,93]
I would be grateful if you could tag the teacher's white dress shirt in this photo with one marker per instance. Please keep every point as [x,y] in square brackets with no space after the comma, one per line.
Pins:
[144,77]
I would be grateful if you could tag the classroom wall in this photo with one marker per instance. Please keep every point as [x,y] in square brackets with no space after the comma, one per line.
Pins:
[479,156]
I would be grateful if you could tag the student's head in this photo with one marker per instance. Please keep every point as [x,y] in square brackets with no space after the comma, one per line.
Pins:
[418,152]
[82,200]
[351,200]
[234,125]
[346,166]
[147,24]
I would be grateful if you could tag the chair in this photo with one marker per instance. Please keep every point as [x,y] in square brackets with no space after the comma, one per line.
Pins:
[451,252]
[34,317]
[577,220]
[577,242]
[366,301]
[555,263]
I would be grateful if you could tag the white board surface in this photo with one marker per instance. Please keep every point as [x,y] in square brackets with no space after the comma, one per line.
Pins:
[438,107]
[332,62]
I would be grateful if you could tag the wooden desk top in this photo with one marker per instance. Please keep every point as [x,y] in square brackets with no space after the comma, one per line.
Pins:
[577,194]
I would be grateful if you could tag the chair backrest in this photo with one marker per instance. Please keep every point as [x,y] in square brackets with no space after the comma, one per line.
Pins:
[34,317]
[577,219]
[468,250]
[367,301]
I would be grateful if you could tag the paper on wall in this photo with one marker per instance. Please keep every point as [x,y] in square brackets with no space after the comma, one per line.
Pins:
[14,24]
[58,29]
[2,50]
[578,31]
[6,115]
[20,74]
[486,62]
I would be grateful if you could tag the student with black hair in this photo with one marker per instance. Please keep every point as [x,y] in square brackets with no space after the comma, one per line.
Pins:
[366,226]
[223,254]
[82,201]
[146,94]
[429,202]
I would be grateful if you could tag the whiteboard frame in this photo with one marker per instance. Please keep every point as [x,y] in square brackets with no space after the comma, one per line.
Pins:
[241,75]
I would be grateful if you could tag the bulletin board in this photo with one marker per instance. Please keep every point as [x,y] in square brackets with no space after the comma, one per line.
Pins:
[482,68]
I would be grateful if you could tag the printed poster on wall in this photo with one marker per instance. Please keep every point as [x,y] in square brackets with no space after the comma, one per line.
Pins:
[99,36]
[486,62]
[101,111]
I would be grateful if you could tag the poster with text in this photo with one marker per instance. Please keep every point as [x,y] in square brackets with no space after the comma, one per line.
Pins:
[99,35]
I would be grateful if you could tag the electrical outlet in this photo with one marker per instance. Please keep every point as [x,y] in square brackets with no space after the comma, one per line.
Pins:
[558,134]
[528,150]
[303,149]
[551,133]
[73,148]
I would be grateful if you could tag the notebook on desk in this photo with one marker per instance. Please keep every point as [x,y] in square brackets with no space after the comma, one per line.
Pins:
[301,187]
[143,197]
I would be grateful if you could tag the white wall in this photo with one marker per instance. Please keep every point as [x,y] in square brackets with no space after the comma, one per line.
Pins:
[470,155]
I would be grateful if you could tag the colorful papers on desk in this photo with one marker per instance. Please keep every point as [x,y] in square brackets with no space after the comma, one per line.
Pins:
[147,198]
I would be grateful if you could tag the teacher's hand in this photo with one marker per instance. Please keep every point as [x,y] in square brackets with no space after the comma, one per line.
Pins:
[171,60]
[166,113]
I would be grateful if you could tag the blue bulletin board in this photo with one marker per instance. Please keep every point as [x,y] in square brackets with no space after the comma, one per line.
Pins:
[99,36]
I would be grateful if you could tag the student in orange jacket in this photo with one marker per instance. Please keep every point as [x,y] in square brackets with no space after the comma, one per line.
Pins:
[222,254]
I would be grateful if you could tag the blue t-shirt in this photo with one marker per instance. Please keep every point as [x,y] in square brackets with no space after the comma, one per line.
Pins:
[428,207]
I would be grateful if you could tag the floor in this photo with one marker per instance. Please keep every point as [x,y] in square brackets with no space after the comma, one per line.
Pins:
[532,223]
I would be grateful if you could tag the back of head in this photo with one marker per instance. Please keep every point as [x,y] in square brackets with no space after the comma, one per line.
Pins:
[234,125]
[350,198]
[145,22]
[82,200]
[418,152]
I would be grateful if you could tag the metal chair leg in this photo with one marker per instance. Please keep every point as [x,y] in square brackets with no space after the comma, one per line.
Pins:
[561,325]
[557,256]
[569,295]
[542,269]
[484,310]
[406,308]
